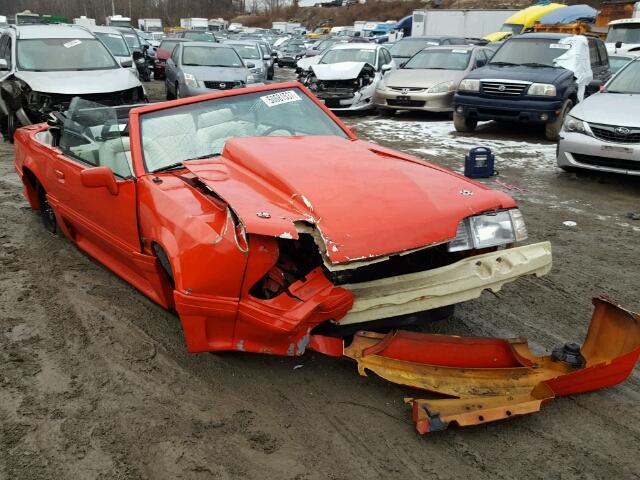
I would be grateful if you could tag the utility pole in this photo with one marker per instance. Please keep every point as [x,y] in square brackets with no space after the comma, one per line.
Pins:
[113,8]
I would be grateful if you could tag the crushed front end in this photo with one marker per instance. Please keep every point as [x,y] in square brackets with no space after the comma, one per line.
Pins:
[355,93]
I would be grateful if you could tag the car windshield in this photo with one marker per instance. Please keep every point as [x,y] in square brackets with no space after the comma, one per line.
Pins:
[210,57]
[454,59]
[200,130]
[408,48]
[199,36]
[115,43]
[616,63]
[625,33]
[132,40]
[627,80]
[167,45]
[529,51]
[514,28]
[248,52]
[57,54]
[350,55]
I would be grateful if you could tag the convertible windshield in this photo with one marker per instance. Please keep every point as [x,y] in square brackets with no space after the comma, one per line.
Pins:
[58,54]
[173,135]
[454,59]
[247,51]
[522,51]
[409,47]
[115,43]
[350,55]
[625,33]
[627,80]
[210,57]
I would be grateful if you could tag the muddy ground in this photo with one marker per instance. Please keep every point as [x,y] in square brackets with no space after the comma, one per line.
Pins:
[95,381]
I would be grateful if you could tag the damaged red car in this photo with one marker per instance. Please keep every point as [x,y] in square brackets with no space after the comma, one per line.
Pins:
[262,219]
[270,227]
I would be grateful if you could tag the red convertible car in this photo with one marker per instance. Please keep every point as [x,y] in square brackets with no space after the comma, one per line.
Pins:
[269,227]
[262,220]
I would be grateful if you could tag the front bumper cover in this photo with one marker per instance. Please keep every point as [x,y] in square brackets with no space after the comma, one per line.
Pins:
[491,379]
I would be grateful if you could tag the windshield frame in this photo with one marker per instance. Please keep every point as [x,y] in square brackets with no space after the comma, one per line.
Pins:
[190,46]
[373,51]
[450,52]
[136,115]
[99,36]
[495,58]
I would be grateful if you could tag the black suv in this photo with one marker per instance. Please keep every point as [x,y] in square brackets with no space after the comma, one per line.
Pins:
[521,84]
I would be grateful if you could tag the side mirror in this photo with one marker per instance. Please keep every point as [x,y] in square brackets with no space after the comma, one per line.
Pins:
[618,44]
[480,63]
[3,64]
[99,177]
[136,55]
[126,63]
[251,65]
[274,54]
[386,67]
[145,47]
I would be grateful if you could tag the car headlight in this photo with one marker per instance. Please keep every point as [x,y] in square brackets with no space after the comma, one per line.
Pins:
[469,85]
[489,230]
[573,124]
[443,87]
[542,90]
[251,79]
[190,80]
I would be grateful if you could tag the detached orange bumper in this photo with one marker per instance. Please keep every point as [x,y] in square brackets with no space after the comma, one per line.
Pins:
[491,379]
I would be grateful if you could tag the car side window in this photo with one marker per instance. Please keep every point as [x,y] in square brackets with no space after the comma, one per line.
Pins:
[604,57]
[386,57]
[94,136]
[5,49]
[481,58]
[174,54]
[593,53]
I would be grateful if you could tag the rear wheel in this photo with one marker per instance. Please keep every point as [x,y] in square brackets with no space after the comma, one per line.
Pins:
[552,129]
[178,90]
[167,92]
[46,212]
[464,124]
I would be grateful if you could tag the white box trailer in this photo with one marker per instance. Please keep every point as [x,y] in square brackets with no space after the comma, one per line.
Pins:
[458,23]
[195,24]
[285,27]
[118,21]
[84,21]
[150,24]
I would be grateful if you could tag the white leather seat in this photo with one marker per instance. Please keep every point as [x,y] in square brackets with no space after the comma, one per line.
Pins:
[169,139]
[116,154]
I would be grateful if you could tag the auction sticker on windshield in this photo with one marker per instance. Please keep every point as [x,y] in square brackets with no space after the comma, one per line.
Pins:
[280,98]
[561,46]
[72,43]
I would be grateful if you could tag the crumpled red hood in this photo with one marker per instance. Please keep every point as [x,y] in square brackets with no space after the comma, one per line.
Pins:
[366,201]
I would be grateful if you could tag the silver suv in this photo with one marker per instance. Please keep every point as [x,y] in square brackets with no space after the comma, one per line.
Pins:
[43,67]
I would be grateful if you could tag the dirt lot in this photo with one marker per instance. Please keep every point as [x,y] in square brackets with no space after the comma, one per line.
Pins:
[95,381]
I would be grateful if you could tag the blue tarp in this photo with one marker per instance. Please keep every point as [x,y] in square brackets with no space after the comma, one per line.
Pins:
[570,14]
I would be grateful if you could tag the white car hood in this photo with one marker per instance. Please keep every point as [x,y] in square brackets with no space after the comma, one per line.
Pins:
[610,109]
[80,82]
[306,62]
[338,71]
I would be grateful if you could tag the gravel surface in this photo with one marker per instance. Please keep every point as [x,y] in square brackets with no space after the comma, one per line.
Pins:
[95,381]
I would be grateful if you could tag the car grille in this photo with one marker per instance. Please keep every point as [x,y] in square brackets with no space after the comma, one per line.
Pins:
[611,133]
[408,90]
[222,85]
[504,88]
[607,162]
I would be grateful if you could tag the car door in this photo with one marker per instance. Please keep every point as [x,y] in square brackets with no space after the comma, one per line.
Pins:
[102,221]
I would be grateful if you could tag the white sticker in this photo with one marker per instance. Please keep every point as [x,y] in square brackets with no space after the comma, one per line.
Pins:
[72,43]
[280,98]
[460,51]
[561,46]
[432,43]
[113,35]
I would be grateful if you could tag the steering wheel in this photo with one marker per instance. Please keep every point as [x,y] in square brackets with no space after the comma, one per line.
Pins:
[275,129]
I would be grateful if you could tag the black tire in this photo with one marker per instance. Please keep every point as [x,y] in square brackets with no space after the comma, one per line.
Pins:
[464,124]
[552,129]
[270,74]
[178,90]
[387,112]
[167,92]
[46,211]
[12,125]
